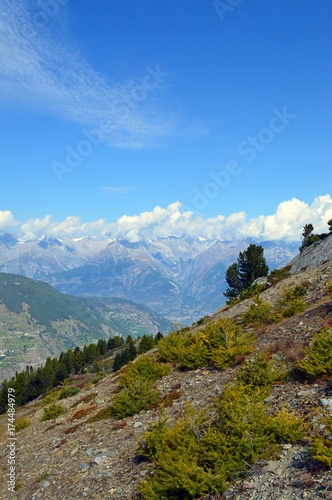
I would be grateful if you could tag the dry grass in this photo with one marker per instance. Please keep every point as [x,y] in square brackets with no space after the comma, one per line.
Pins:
[85,399]
[83,412]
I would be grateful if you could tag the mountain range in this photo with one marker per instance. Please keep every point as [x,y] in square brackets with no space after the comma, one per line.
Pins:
[181,278]
[37,321]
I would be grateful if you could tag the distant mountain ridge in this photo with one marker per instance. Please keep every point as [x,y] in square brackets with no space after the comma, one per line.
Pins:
[182,278]
[37,321]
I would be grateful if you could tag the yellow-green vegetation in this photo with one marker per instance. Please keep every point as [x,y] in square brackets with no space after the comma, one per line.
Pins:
[51,397]
[101,415]
[133,398]
[329,288]
[99,376]
[260,372]
[261,312]
[145,367]
[279,274]
[137,391]
[318,357]
[22,423]
[68,391]
[322,445]
[219,343]
[205,451]
[53,411]
[251,291]
[291,303]
[18,484]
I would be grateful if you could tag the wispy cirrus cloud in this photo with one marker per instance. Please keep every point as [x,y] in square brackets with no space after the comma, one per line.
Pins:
[43,68]
[285,224]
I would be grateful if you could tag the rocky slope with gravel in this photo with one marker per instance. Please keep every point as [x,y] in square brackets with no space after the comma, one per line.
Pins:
[75,458]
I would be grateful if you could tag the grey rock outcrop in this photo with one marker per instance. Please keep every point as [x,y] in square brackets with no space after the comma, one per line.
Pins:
[317,254]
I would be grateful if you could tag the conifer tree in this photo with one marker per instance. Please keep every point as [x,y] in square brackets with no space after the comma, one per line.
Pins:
[329,222]
[250,265]
[158,337]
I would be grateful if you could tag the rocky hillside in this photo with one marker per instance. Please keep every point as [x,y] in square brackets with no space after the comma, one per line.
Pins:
[79,456]
[37,321]
[315,255]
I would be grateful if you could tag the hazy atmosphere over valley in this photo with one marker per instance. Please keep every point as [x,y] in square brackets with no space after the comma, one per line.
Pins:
[157,158]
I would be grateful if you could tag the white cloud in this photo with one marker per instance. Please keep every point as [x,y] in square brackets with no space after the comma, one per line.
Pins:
[42,67]
[7,220]
[71,227]
[285,224]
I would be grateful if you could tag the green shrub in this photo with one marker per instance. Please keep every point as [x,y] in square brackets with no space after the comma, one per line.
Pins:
[53,411]
[260,372]
[251,291]
[22,423]
[145,367]
[51,397]
[101,415]
[321,448]
[293,294]
[286,427]
[237,344]
[295,307]
[201,320]
[291,303]
[98,378]
[203,453]
[171,347]
[134,397]
[259,312]
[152,440]
[182,472]
[137,392]
[329,288]
[279,274]
[68,391]
[220,343]
[318,357]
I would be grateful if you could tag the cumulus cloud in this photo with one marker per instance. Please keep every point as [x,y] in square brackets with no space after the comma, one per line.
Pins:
[41,66]
[70,227]
[285,224]
[7,220]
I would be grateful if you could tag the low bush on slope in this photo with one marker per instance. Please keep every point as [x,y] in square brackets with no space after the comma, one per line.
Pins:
[318,357]
[136,383]
[260,372]
[218,343]
[205,450]
[322,445]
[261,312]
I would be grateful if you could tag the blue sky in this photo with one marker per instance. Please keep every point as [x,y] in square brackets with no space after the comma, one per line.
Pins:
[217,112]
